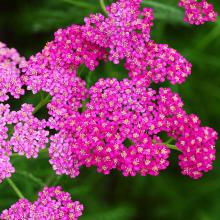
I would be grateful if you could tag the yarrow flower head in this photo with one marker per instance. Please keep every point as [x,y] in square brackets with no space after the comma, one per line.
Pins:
[120,112]
[70,93]
[126,33]
[65,53]
[52,203]
[197,145]
[125,30]
[114,125]
[6,168]
[10,80]
[158,63]
[21,133]
[123,121]
[198,12]
[29,134]
[54,70]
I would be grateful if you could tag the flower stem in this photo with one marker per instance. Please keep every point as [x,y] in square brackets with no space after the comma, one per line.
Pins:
[103,6]
[15,188]
[172,147]
[41,104]
[169,141]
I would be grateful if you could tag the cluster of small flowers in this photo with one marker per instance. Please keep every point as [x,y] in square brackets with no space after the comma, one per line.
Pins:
[71,91]
[197,145]
[66,52]
[61,56]
[117,111]
[96,138]
[121,125]
[10,81]
[6,168]
[22,133]
[158,63]
[126,32]
[125,111]
[52,203]
[123,31]
[54,71]
[198,12]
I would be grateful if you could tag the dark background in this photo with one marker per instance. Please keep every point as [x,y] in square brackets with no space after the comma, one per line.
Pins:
[28,24]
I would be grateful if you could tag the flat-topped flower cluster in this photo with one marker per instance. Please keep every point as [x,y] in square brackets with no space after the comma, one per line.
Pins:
[52,203]
[112,125]
[198,12]
[116,111]
[126,110]
[29,136]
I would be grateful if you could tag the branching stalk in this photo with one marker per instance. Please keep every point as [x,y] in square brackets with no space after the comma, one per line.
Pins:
[41,104]
[15,188]
[103,6]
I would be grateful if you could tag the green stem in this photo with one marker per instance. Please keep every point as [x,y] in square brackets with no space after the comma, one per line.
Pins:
[88,79]
[172,147]
[209,38]
[41,104]
[80,70]
[10,130]
[103,6]
[41,96]
[15,188]
[80,4]
[31,177]
[169,141]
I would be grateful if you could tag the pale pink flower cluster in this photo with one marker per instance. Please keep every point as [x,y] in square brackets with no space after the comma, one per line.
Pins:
[198,11]
[52,203]
[6,168]
[21,133]
[67,100]
[10,80]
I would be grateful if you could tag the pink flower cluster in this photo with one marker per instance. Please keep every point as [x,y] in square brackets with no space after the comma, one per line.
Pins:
[121,125]
[67,100]
[198,12]
[114,124]
[123,31]
[6,168]
[197,145]
[22,133]
[10,81]
[54,71]
[64,54]
[126,33]
[117,111]
[52,203]
[125,111]
[158,63]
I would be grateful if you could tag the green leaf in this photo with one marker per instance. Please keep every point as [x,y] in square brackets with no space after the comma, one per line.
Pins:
[165,11]
[120,212]
[80,4]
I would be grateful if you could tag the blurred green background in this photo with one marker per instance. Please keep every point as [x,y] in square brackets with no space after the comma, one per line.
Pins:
[28,24]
